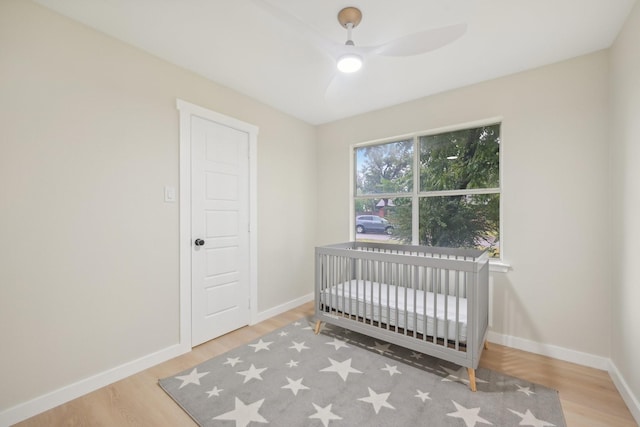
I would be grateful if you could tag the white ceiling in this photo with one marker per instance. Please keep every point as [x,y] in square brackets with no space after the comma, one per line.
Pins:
[248,46]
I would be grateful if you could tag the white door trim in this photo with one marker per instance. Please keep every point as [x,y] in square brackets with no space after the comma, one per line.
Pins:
[187,110]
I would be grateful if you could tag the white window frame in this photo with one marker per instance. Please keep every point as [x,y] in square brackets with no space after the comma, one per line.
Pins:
[497,264]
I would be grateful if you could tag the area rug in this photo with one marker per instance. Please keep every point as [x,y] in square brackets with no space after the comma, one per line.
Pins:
[292,377]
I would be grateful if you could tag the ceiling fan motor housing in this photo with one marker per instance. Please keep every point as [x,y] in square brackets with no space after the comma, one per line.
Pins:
[349,15]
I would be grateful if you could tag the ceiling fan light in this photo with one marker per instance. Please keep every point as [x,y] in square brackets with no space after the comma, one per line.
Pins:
[349,63]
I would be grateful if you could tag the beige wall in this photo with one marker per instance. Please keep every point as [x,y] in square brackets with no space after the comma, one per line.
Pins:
[625,152]
[555,202]
[88,249]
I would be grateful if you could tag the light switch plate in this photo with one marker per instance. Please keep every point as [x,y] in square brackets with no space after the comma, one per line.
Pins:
[169,193]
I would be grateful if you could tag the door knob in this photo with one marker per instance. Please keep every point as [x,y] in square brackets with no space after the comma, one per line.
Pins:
[199,242]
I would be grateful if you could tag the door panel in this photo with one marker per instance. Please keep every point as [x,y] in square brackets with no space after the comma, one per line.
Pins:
[220,216]
[221,224]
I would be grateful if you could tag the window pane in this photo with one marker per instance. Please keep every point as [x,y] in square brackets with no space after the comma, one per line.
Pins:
[471,221]
[463,159]
[383,220]
[384,168]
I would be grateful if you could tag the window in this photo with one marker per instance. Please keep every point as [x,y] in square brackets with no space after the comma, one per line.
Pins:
[438,189]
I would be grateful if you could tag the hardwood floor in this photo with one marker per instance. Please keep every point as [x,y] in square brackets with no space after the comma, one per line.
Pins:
[588,396]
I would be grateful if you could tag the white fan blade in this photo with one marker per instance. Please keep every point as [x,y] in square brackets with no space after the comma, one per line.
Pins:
[343,88]
[332,92]
[340,89]
[299,27]
[421,42]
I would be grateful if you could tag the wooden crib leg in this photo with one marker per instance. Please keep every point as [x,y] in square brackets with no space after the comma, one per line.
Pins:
[486,345]
[472,379]
[317,328]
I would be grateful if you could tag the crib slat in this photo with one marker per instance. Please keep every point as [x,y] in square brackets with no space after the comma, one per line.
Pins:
[405,326]
[388,281]
[446,306]
[379,281]
[363,297]
[335,279]
[370,283]
[416,285]
[395,283]
[436,291]
[358,283]
[425,288]
[458,311]
[331,278]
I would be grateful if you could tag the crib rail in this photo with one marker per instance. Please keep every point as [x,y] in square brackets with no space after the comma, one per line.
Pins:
[432,300]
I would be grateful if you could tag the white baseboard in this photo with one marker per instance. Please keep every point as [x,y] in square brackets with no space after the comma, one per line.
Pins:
[625,391]
[580,358]
[264,315]
[561,353]
[65,394]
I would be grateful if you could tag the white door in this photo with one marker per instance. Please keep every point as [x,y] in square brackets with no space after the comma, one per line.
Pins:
[219,229]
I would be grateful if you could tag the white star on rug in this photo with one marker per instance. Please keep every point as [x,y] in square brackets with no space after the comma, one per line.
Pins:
[232,361]
[461,375]
[192,378]
[381,348]
[391,369]
[295,386]
[337,344]
[469,415]
[261,345]
[283,333]
[529,420]
[416,356]
[299,346]
[243,414]
[324,414]
[422,396]
[292,364]
[215,391]
[377,400]
[341,368]
[297,324]
[525,390]
[252,373]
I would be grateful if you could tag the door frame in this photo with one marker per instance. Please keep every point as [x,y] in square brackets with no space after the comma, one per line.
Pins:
[187,111]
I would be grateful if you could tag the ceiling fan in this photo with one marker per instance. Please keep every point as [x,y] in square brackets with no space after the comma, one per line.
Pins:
[349,56]
[412,44]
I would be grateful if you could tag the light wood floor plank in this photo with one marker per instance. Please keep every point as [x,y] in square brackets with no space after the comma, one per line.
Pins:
[588,396]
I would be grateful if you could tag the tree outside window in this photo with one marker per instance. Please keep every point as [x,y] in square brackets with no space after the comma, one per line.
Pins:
[456,189]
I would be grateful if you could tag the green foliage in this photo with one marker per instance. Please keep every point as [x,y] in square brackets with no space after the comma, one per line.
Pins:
[400,217]
[461,160]
[450,161]
[384,168]
[460,221]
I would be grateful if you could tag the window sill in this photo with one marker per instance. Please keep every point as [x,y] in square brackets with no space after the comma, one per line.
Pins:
[498,266]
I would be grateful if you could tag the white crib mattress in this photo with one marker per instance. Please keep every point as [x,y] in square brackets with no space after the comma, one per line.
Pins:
[384,303]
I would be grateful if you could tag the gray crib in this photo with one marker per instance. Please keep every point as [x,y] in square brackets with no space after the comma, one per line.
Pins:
[431,300]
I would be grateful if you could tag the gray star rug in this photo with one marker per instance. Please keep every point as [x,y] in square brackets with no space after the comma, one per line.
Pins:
[292,377]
